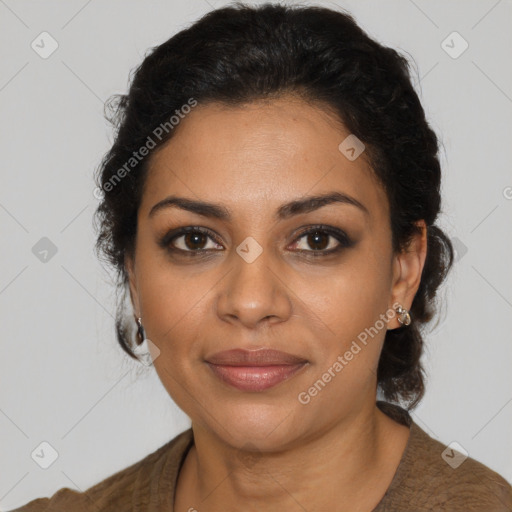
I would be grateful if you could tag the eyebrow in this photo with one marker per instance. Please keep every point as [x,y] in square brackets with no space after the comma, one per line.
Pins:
[285,211]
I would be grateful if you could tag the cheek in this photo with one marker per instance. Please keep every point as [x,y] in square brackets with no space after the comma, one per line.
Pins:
[172,301]
[351,296]
[348,309]
[174,308]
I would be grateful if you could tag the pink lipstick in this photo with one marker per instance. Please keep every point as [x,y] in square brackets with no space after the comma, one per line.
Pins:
[254,370]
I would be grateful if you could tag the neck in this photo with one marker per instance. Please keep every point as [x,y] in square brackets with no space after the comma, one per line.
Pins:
[357,457]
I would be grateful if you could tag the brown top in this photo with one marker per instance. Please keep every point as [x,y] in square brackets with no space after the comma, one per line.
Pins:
[425,480]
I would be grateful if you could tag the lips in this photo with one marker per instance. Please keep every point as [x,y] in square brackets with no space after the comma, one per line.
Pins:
[254,370]
[262,357]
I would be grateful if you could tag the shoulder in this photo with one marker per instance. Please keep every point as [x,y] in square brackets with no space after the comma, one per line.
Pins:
[444,478]
[126,490]
[433,476]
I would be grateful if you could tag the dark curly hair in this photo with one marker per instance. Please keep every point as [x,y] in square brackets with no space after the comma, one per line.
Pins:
[240,53]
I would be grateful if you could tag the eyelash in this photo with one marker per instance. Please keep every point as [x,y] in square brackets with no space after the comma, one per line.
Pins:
[344,241]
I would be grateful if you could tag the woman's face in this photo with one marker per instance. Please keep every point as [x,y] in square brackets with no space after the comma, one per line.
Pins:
[255,279]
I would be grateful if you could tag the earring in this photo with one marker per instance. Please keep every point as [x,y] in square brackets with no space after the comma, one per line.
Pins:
[404,317]
[141,333]
[142,350]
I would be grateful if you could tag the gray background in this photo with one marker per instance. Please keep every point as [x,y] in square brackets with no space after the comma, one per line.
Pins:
[63,378]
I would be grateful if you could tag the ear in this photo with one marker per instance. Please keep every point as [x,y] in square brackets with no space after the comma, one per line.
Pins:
[407,268]
[132,281]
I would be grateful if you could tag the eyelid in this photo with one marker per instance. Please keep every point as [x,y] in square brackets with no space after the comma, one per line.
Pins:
[344,241]
[172,235]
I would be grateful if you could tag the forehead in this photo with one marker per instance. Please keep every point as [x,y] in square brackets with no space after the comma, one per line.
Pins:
[266,152]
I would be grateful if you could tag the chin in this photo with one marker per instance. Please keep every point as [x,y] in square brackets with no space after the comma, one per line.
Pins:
[262,426]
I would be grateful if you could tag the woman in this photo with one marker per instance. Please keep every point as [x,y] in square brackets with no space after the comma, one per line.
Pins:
[270,203]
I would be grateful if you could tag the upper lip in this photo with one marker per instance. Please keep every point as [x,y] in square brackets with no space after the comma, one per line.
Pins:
[260,357]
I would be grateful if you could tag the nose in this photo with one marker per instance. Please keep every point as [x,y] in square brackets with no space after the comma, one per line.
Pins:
[253,293]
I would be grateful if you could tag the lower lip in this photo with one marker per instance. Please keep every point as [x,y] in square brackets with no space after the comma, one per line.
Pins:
[254,378]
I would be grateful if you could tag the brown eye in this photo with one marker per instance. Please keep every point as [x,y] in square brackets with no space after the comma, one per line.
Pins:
[190,240]
[318,240]
[194,240]
[322,241]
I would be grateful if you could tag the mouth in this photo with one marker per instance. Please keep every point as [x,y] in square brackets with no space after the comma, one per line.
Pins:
[254,370]
[255,378]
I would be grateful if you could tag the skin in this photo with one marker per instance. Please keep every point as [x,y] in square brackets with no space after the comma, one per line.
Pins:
[266,449]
